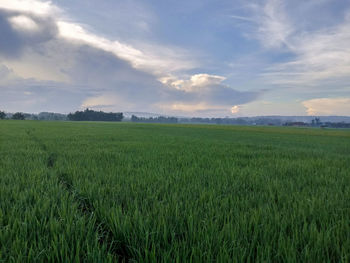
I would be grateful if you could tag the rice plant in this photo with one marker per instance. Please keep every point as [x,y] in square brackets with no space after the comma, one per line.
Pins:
[107,192]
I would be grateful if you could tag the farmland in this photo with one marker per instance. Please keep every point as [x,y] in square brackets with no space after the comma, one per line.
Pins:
[106,192]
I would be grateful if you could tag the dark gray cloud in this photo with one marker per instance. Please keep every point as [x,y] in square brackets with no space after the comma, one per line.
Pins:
[13,42]
[10,43]
[224,95]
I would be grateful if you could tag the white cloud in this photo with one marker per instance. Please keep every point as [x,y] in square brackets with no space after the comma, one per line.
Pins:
[205,93]
[188,107]
[206,79]
[274,26]
[108,102]
[195,82]
[192,109]
[29,6]
[235,109]
[243,18]
[22,22]
[100,101]
[315,55]
[322,55]
[328,106]
[6,75]
[140,59]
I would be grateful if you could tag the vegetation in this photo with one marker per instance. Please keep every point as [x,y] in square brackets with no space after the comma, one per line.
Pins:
[50,116]
[91,115]
[103,192]
[159,119]
[18,116]
[2,115]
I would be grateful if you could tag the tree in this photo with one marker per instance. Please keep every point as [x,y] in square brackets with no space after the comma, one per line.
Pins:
[318,121]
[159,119]
[18,116]
[91,115]
[2,115]
[134,118]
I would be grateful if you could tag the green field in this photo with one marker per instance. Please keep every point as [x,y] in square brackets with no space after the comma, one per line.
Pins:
[106,192]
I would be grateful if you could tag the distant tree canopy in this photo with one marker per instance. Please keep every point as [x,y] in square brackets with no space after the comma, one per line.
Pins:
[2,115]
[91,115]
[233,121]
[18,116]
[316,122]
[160,119]
[50,116]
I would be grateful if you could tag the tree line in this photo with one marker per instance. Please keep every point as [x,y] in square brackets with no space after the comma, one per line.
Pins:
[160,119]
[15,116]
[86,115]
[91,115]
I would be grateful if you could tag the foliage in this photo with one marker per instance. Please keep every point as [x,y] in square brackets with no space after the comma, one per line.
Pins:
[91,115]
[51,116]
[18,116]
[316,122]
[2,115]
[159,119]
[102,192]
[341,125]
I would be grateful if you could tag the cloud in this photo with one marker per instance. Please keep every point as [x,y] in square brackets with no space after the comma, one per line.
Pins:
[197,96]
[187,107]
[105,102]
[197,81]
[242,18]
[273,25]
[328,106]
[201,93]
[18,16]
[18,94]
[20,31]
[34,7]
[322,55]
[200,109]
[235,109]
[309,55]
[143,60]
[6,75]
[51,63]
[22,22]
[209,89]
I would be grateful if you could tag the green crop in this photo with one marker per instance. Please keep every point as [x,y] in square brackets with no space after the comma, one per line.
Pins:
[106,192]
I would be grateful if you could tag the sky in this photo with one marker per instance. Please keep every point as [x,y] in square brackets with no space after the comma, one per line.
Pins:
[203,58]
